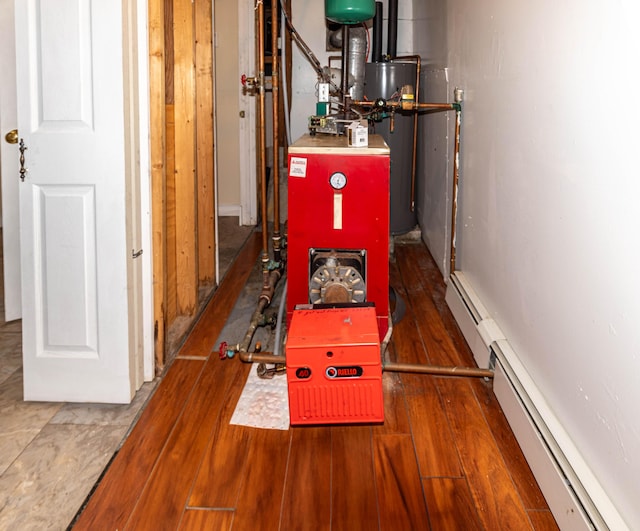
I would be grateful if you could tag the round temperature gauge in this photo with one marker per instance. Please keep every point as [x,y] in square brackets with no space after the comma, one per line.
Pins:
[338,180]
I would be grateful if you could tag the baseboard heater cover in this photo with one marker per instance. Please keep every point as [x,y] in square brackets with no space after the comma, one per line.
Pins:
[575,496]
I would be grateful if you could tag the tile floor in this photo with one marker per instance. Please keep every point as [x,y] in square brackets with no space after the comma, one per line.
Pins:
[51,454]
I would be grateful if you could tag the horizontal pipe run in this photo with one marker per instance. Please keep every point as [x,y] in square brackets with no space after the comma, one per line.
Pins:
[260,357]
[470,372]
[410,106]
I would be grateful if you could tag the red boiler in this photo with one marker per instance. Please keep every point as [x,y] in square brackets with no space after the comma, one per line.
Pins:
[338,279]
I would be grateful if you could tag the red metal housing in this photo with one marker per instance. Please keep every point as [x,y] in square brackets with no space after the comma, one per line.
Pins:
[334,366]
[352,215]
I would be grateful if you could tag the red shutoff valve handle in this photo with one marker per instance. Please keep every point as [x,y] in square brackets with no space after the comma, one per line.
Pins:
[249,83]
[223,350]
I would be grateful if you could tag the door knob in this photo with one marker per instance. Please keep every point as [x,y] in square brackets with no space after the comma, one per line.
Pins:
[12,136]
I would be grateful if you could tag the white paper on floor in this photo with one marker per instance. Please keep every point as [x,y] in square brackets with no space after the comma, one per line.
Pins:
[263,403]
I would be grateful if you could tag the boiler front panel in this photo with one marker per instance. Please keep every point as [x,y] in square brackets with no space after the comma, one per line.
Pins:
[339,199]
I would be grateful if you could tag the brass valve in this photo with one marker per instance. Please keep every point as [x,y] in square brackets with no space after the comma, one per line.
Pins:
[249,84]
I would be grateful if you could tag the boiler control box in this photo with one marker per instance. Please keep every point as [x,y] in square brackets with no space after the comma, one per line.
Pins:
[334,366]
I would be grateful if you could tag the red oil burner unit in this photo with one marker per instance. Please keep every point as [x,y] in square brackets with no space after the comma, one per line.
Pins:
[334,369]
[338,271]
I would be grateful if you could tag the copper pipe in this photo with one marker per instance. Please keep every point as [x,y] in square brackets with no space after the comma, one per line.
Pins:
[415,138]
[262,134]
[253,326]
[275,92]
[454,199]
[407,106]
[464,372]
[469,372]
[270,276]
[270,279]
[260,357]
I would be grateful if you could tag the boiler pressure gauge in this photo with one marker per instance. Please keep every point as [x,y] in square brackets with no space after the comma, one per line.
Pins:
[338,180]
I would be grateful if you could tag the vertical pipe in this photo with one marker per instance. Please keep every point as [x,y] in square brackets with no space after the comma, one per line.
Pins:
[392,29]
[415,137]
[345,69]
[456,175]
[262,134]
[376,55]
[414,153]
[357,60]
[275,92]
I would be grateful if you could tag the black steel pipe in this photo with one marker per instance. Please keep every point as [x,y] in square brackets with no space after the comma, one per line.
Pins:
[392,29]
[376,55]
[345,69]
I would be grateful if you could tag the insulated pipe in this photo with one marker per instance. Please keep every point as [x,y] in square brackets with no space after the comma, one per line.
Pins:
[470,372]
[357,60]
[392,29]
[262,134]
[376,55]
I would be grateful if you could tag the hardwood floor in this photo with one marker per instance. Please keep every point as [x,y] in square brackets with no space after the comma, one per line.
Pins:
[445,458]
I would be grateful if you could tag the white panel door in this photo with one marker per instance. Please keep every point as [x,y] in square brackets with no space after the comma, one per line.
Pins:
[76,332]
[9,165]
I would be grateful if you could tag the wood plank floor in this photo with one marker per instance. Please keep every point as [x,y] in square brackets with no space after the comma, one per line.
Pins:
[445,458]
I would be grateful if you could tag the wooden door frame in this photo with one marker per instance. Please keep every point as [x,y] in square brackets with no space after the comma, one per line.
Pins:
[247,104]
[140,56]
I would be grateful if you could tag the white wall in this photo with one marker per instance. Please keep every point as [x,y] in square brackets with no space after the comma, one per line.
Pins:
[308,19]
[434,171]
[549,222]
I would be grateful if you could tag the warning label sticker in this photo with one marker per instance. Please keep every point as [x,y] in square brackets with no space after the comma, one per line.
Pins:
[298,167]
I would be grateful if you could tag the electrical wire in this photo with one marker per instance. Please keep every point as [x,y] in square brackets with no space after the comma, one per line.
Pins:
[285,88]
[366,57]
[303,45]
[306,50]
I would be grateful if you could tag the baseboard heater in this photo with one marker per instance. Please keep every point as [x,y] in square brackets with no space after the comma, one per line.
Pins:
[575,497]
